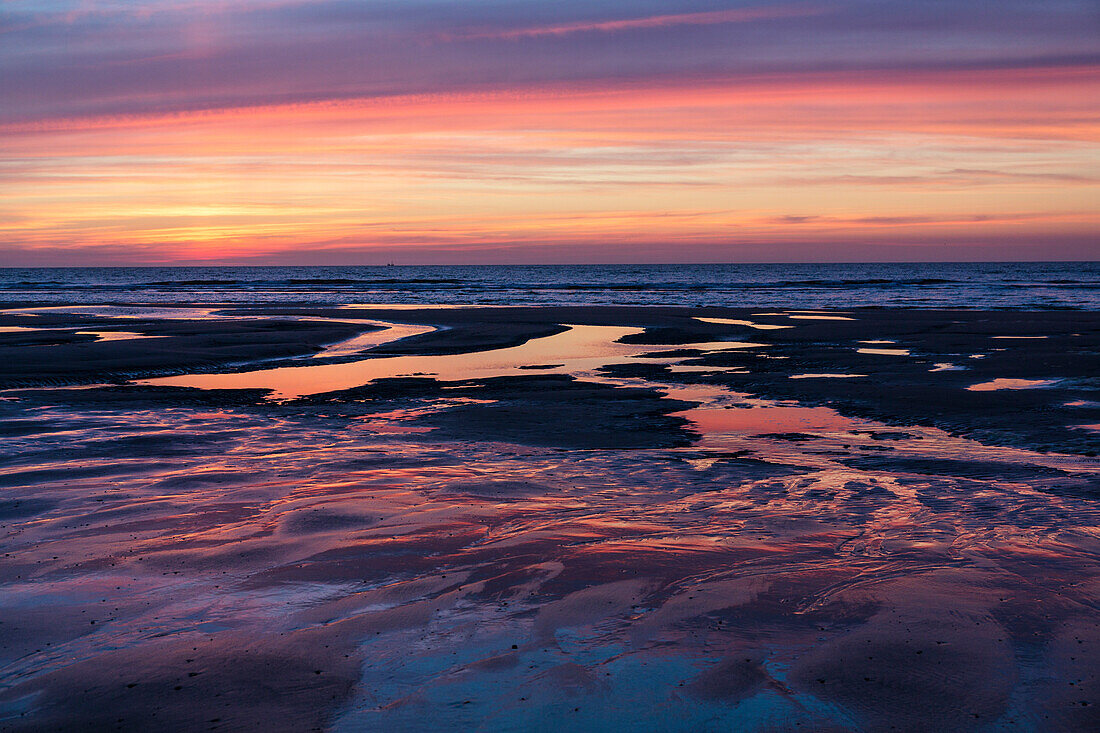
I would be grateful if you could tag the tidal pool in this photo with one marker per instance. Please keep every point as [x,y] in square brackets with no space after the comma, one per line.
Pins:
[580,349]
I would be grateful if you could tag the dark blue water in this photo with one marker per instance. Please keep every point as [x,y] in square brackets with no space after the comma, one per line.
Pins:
[929,285]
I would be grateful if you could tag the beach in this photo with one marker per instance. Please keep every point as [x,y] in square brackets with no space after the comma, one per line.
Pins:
[521,367]
[294,517]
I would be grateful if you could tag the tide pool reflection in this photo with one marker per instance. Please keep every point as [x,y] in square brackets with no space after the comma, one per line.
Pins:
[580,349]
[778,570]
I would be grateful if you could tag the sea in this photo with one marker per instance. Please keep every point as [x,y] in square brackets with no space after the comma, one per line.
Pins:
[995,285]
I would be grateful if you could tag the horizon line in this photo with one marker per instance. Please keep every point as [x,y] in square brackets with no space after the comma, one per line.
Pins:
[555,264]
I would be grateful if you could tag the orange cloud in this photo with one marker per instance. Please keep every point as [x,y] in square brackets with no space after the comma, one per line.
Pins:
[735,160]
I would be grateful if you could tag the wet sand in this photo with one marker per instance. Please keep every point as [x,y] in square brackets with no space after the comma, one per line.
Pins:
[604,518]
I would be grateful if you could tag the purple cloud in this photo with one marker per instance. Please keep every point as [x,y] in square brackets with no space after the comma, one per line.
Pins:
[61,61]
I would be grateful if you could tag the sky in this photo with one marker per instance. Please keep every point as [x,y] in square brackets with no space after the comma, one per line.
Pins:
[504,131]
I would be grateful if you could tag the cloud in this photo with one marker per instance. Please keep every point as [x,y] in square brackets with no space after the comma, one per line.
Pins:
[733,15]
[179,56]
[949,178]
[911,220]
[505,129]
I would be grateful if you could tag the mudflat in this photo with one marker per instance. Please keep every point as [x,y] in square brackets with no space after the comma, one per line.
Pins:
[535,518]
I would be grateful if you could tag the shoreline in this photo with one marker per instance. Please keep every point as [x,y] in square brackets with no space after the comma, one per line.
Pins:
[910,366]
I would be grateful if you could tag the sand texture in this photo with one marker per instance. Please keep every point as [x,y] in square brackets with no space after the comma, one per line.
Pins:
[549,518]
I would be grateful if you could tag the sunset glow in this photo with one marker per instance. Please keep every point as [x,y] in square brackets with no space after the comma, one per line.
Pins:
[427,132]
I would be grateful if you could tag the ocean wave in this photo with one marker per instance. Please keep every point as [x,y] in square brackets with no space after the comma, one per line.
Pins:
[848,283]
[376,281]
[977,285]
[213,283]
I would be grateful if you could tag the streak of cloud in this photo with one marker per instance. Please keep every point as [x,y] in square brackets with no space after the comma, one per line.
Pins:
[733,15]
